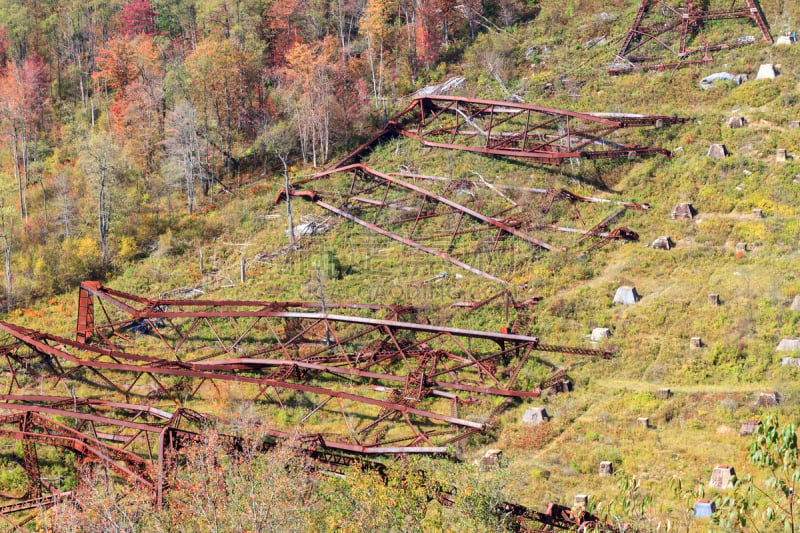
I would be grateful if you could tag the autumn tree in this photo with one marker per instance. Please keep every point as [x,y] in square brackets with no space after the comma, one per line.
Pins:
[309,96]
[138,17]
[133,72]
[102,162]
[23,96]
[376,26]
[213,85]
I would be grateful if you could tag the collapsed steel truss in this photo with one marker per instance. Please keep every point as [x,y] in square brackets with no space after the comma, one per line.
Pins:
[490,127]
[135,443]
[435,224]
[555,517]
[138,445]
[406,380]
[661,34]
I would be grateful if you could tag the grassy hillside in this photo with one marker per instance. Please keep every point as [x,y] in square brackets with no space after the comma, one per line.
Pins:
[715,388]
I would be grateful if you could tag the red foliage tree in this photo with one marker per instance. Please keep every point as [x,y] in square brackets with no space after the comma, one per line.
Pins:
[137,18]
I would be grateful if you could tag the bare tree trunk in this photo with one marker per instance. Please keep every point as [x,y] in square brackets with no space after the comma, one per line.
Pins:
[23,211]
[287,186]
[6,236]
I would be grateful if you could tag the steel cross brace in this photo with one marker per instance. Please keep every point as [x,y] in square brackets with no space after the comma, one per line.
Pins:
[118,455]
[138,366]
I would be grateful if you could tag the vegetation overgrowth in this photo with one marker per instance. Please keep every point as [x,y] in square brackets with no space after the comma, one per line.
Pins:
[145,142]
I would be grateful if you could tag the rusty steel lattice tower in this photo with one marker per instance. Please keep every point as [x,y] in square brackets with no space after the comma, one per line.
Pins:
[666,36]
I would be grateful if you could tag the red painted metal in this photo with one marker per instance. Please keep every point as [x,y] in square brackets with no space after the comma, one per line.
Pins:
[554,193]
[119,443]
[437,363]
[123,441]
[490,127]
[664,42]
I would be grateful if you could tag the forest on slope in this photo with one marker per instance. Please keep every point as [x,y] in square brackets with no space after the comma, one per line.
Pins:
[119,117]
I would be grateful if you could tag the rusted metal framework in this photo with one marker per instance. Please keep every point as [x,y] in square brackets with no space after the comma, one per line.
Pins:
[278,349]
[136,444]
[434,223]
[406,427]
[408,404]
[669,34]
[555,517]
[352,341]
[509,129]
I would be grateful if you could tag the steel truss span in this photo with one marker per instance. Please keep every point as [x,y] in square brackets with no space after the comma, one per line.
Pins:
[661,36]
[138,445]
[407,381]
[135,444]
[496,128]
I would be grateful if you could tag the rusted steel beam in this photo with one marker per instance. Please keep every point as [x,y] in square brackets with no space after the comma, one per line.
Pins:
[408,242]
[556,516]
[441,199]
[665,45]
[372,343]
[427,205]
[146,473]
[449,235]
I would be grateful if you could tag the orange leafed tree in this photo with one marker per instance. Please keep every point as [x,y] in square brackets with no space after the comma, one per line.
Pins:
[23,99]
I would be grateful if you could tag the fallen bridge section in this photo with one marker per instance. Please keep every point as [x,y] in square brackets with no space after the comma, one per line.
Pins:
[496,128]
[283,343]
[436,224]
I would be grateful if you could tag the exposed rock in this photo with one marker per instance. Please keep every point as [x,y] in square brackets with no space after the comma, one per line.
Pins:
[722,77]
[599,334]
[737,122]
[446,87]
[663,243]
[595,42]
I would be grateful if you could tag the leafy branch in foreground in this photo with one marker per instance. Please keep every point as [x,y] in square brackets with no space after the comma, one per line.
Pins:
[764,505]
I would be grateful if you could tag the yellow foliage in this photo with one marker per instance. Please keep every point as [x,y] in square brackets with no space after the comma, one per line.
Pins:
[127,248]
